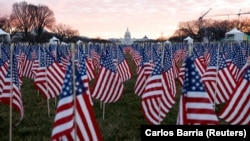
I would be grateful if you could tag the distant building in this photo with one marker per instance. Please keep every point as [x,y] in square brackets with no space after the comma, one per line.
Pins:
[127,38]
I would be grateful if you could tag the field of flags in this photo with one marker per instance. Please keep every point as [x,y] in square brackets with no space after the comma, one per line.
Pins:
[209,75]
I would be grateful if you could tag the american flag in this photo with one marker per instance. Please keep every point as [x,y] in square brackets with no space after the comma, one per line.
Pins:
[151,102]
[229,57]
[11,88]
[3,73]
[218,79]
[74,120]
[144,71]
[123,67]
[236,110]
[49,76]
[136,57]
[95,56]
[63,59]
[88,63]
[181,74]
[199,62]
[239,60]
[83,70]
[169,86]
[4,65]
[108,87]
[207,54]
[195,106]
[27,64]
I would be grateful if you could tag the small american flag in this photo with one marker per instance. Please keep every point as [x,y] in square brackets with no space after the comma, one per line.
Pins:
[123,67]
[152,96]
[12,90]
[218,79]
[143,72]
[49,76]
[169,86]
[108,87]
[195,106]
[75,122]
[236,110]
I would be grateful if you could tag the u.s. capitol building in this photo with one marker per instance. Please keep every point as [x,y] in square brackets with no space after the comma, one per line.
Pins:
[127,40]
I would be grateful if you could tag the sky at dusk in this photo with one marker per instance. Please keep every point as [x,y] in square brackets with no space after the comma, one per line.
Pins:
[153,18]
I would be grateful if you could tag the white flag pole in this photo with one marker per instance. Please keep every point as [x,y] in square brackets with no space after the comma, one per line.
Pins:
[217,71]
[11,91]
[39,58]
[74,87]
[159,99]
[56,60]
[46,72]
[103,110]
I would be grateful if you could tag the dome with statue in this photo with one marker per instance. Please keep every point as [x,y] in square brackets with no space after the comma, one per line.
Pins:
[127,35]
[127,38]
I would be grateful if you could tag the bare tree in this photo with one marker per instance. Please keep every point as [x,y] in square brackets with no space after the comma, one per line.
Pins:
[65,32]
[8,24]
[23,17]
[44,19]
[3,21]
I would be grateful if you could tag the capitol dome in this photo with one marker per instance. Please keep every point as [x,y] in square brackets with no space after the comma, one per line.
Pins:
[127,38]
[127,35]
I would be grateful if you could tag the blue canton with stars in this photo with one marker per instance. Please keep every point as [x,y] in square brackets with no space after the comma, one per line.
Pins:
[247,74]
[49,58]
[14,71]
[68,83]
[167,64]
[82,68]
[1,62]
[145,58]
[213,59]
[4,54]
[222,61]
[108,62]
[192,81]
[121,57]
[42,57]
[157,69]
[229,54]
[239,59]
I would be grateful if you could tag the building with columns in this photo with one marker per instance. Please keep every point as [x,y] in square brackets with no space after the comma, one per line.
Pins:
[127,40]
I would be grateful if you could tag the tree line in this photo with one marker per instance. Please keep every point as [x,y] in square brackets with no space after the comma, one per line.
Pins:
[212,30]
[35,23]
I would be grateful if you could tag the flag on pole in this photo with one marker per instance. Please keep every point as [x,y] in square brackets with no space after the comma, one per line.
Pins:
[108,87]
[27,64]
[152,96]
[143,72]
[168,80]
[49,76]
[195,105]
[3,72]
[74,119]
[236,110]
[122,65]
[218,79]
[11,88]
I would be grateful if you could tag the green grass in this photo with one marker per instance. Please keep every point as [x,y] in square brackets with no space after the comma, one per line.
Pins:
[119,121]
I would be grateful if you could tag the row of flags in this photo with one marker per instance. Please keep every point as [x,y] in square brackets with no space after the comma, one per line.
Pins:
[210,75]
[49,70]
